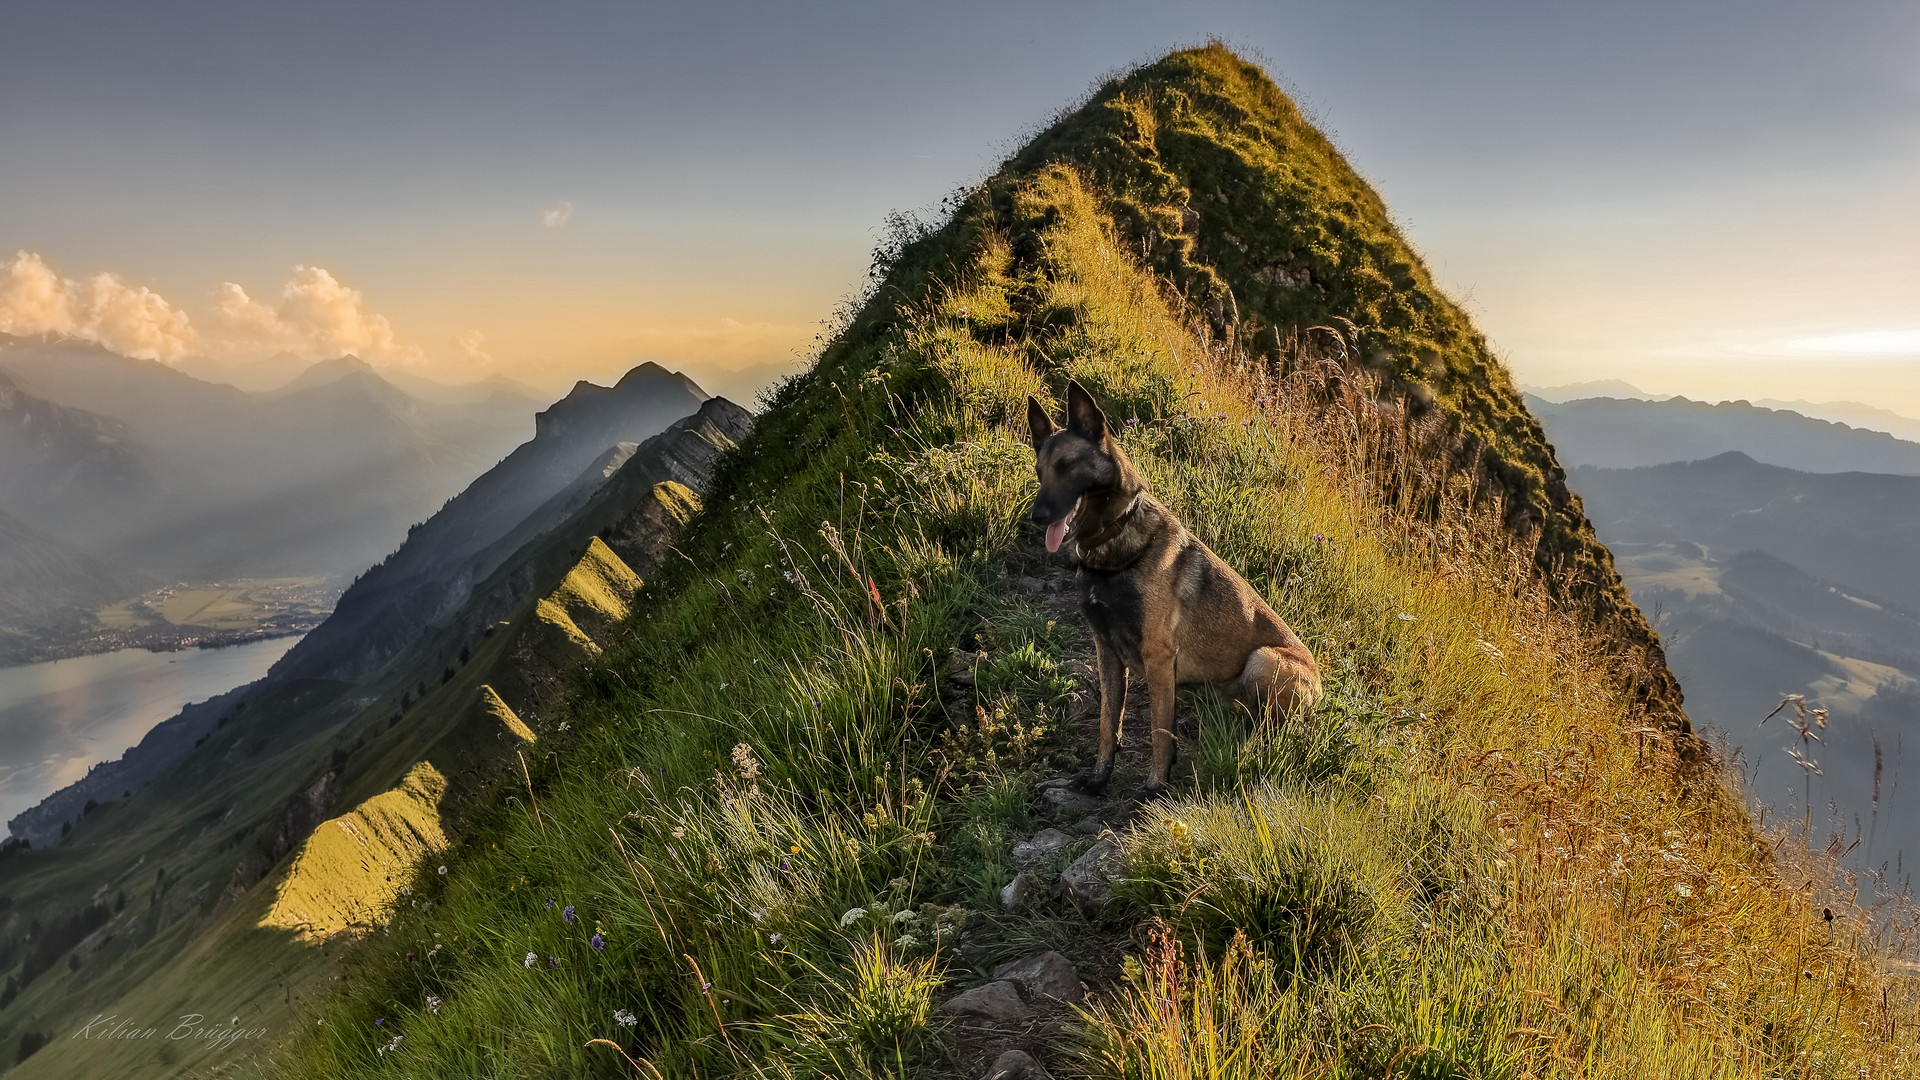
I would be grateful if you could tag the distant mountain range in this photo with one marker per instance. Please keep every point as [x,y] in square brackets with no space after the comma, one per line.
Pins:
[1852,413]
[1619,433]
[164,476]
[434,570]
[194,478]
[380,727]
[1766,581]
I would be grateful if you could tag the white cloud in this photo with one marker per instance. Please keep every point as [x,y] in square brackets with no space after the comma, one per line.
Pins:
[473,344]
[316,317]
[557,215]
[131,320]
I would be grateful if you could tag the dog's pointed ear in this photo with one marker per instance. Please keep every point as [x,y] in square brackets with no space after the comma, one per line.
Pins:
[1083,414]
[1038,421]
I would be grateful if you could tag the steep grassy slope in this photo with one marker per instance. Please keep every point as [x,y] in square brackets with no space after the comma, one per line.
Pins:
[780,839]
[216,888]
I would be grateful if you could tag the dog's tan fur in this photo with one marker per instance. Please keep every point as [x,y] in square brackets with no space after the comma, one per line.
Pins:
[1160,604]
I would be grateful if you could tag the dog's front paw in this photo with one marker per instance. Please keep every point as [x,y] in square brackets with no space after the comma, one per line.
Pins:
[1151,793]
[1092,781]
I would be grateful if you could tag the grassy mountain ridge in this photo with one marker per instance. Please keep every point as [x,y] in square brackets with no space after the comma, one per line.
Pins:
[779,844]
[297,814]
[1256,219]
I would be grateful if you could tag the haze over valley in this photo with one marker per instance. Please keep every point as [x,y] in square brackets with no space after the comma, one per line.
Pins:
[1775,552]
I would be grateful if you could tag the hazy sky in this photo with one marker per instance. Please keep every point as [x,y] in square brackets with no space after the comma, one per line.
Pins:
[1714,198]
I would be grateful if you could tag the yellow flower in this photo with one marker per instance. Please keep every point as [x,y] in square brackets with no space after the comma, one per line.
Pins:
[795,849]
[1180,830]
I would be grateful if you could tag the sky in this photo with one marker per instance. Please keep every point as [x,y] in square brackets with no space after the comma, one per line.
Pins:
[1714,198]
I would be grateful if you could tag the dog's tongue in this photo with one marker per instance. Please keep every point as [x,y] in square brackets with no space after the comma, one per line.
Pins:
[1056,532]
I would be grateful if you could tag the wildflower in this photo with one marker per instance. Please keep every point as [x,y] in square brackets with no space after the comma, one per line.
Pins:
[785,865]
[1404,617]
[624,1018]
[1320,536]
[680,832]
[852,916]
[433,1005]
[599,943]
[443,871]
[382,1022]
[794,849]
[775,938]
[553,961]
[1180,830]
[904,916]
[743,758]
[705,986]
[1133,421]
[393,1044]
[566,914]
[532,958]
[409,954]
[549,903]
[906,943]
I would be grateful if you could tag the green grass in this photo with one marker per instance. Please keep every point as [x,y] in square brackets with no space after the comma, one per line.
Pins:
[783,821]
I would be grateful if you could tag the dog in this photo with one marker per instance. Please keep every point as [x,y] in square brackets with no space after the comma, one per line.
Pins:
[1161,605]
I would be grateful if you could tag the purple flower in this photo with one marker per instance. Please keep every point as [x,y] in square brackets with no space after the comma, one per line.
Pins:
[382,1022]
[1319,536]
[566,913]
[785,865]
[705,986]
[1132,420]
[409,954]
[553,961]
[598,942]
[549,903]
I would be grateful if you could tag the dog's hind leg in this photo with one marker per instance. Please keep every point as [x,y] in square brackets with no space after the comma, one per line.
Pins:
[1160,697]
[1280,682]
[1113,703]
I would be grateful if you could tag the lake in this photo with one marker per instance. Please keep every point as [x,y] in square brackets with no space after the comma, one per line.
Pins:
[60,717]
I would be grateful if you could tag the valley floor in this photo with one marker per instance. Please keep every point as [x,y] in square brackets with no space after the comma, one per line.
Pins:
[184,615]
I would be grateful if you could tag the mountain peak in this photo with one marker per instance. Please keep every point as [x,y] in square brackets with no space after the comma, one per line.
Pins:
[588,403]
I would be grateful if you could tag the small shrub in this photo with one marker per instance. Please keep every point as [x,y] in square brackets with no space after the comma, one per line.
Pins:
[871,1020]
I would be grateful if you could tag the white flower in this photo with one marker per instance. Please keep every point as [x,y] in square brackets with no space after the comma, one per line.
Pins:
[903,916]
[443,871]
[531,958]
[433,1005]
[852,916]
[624,1018]
[1404,617]
[394,1045]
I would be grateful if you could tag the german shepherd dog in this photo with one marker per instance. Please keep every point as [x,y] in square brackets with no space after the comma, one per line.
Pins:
[1160,604]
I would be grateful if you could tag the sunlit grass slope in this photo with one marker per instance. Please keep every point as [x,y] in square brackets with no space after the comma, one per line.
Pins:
[189,933]
[1476,858]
